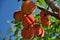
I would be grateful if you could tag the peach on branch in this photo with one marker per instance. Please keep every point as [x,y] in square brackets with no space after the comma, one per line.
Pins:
[42,33]
[28,7]
[44,14]
[59,14]
[28,21]
[45,21]
[27,33]
[18,15]
[38,31]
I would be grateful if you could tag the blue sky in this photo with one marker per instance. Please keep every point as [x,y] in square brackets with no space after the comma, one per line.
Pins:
[7,9]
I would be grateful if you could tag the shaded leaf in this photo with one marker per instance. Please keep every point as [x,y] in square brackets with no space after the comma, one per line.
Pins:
[18,0]
[16,32]
[23,0]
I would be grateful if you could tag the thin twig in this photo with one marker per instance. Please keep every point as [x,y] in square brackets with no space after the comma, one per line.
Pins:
[52,5]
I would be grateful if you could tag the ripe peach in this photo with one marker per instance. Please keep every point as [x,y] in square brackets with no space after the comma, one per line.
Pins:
[59,14]
[28,7]
[37,30]
[28,0]
[45,21]
[43,14]
[28,21]
[47,16]
[42,33]
[27,33]
[18,15]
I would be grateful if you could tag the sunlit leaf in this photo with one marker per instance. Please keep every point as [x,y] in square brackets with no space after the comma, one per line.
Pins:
[58,30]
[37,16]
[58,1]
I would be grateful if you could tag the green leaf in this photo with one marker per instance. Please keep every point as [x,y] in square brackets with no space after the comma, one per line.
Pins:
[35,38]
[22,39]
[39,2]
[14,22]
[23,0]
[58,2]
[58,30]
[44,3]
[16,32]
[18,25]
[10,30]
[37,16]
[50,38]
[16,38]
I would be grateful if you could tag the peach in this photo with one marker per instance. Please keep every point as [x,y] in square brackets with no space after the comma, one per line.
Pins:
[28,7]
[37,30]
[42,33]
[43,14]
[28,21]
[27,33]
[59,14]
[45,21]
[18,15]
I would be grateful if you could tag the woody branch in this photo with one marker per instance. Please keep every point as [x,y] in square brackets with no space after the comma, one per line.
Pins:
[53,7]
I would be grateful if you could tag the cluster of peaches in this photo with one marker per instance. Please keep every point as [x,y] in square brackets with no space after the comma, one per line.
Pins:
[30,28]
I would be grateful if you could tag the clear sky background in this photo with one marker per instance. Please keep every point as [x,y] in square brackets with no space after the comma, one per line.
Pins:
[7,9]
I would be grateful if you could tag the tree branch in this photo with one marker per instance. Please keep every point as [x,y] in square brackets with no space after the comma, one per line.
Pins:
[52,14]
[52,5]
